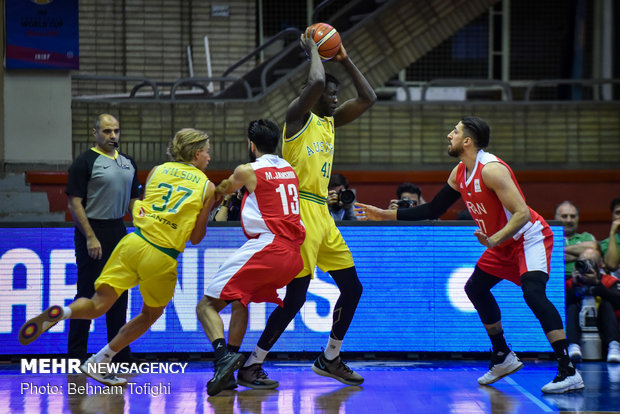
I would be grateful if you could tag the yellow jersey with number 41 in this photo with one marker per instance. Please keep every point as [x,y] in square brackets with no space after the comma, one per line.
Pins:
[173,199]
[311,153]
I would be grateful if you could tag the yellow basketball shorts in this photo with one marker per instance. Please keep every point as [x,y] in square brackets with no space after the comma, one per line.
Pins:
[136,262]
[324,246]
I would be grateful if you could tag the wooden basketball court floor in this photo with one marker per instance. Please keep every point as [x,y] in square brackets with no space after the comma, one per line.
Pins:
[412,386]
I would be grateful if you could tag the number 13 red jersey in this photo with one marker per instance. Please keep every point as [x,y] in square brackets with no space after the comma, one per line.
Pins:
[273,207]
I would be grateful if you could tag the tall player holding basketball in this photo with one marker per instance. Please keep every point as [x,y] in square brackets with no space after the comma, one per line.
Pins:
[268,261]
[309,147]
[518,242]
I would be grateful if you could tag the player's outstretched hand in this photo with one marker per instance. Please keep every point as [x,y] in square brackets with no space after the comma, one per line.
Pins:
[341,55]
[368,212]
[306,41]
[483,239]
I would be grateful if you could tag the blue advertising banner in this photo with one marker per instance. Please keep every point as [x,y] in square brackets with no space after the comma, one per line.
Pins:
[42,34]
[413,300]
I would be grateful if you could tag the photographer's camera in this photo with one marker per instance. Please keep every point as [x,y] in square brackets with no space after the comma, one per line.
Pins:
[346,196]
[585,266]
[406,202]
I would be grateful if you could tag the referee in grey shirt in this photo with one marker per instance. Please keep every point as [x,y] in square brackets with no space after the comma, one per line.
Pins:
[102,186]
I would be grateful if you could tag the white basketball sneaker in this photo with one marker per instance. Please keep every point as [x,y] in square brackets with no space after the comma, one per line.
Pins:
[99,372]
[613,353]
[498,370]
[574,353]
[565,381]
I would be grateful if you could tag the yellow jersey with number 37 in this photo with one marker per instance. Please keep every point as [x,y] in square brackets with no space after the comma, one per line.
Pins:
[173,199]
[311,153]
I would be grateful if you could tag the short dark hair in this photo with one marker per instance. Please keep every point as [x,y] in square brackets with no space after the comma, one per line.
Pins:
[331,78]
[337,180]
[265,134]
[478,129]
[614,203]
[408,188]
[328,78]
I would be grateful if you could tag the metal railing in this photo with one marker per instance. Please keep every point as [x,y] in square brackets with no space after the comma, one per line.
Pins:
[476,83]
[103,78]
[156,87]
[576,82]
[286,32]
[194,81]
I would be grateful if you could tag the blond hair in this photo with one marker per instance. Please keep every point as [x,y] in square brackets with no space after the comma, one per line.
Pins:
[185,144]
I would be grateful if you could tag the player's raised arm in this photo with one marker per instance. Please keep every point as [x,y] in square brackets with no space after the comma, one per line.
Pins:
[366,97]
[297,111]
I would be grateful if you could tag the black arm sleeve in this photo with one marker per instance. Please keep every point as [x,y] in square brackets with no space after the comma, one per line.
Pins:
[433,210]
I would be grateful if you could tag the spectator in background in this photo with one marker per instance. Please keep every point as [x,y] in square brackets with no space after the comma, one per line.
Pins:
[102,186]
[230,207]
[588,279]
[340,199]
[611,245]
[574,243]
[408,195]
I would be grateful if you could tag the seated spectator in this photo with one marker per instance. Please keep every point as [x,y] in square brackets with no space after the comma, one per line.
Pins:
[408,195]
[230,207]
[611,245]
[574,243]
[340,198]
[588,279]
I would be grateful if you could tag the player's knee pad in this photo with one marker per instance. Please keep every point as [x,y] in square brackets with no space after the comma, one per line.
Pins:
[479,293]
[296,295]
[349,284]
[533,285]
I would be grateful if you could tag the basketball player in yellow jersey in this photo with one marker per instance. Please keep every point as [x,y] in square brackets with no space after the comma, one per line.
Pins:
[175,209]
[308,146]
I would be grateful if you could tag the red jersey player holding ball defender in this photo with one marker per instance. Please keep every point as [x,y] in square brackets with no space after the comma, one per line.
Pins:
[518,241]
[269,260]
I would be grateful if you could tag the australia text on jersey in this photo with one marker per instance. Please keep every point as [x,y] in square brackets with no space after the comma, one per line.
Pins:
[319,146]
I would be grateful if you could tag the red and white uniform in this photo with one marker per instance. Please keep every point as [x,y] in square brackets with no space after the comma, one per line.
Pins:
[271,257]
[528,250]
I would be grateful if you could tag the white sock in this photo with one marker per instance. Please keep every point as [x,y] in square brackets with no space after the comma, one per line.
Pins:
[332,350]
[256,357]
[66,313]
[105,354]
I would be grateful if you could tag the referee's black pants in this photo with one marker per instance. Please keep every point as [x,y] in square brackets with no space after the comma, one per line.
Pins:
[109,233]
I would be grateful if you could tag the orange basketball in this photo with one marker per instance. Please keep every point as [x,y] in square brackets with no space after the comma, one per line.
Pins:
[327,39]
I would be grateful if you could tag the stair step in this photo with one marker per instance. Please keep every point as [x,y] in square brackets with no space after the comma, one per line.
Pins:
[14,182]
[15,202]
[56,217]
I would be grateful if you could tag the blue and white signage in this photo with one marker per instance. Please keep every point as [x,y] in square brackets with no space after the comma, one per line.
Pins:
[413,277]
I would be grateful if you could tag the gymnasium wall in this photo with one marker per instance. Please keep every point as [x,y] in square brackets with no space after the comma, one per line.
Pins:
[591,190]
[389,137]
